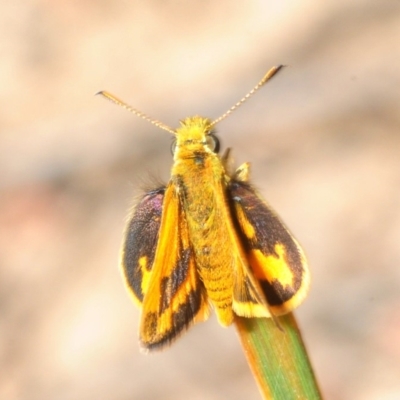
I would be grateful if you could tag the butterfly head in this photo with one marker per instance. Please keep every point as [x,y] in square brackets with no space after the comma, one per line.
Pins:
[194,136]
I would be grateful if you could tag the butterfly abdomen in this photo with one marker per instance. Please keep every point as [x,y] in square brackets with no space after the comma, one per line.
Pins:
[201,193]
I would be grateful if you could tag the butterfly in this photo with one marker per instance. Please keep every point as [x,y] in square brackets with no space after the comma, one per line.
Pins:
[207,239]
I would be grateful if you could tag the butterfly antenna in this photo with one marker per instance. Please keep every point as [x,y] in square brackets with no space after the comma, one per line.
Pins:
[263,81]
[121,103]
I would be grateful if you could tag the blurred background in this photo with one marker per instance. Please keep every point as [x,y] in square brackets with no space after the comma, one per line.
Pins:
[324,141]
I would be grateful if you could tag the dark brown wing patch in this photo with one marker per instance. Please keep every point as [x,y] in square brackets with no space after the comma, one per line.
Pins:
[140,242]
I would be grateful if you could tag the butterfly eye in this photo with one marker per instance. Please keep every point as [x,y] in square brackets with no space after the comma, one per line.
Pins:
[213,143]
[173,147]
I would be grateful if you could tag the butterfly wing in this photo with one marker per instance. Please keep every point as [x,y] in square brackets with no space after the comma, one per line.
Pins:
[168,285]
[275,258]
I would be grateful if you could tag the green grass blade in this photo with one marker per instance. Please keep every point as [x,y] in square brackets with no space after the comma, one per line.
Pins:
[278,358]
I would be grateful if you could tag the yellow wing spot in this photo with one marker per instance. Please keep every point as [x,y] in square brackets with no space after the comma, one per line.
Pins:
[247,228]
[143,261]
[271,267]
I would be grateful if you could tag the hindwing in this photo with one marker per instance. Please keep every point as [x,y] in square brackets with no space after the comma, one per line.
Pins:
[275,258]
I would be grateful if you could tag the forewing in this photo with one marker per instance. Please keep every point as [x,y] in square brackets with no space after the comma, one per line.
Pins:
[175,297]
[276,260]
